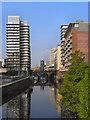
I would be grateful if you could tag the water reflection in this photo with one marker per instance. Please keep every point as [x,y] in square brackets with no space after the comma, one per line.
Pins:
[19,107]
[36,102]
[55,97]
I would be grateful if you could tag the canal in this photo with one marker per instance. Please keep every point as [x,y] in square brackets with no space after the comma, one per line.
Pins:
[35,102]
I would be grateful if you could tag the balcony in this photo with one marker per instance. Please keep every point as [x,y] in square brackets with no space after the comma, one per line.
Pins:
[70,36]
[11,51]
[12,41]
[62,48]
[8,34]
[11,48]
[70,42]
[13,37]
[62,55]
[12,32]
[12,45]
[66,60]
[26,30]
[12,26]
[12,29]
[62,44]
[70,47]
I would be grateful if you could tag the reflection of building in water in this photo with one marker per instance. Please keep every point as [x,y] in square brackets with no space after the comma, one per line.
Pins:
[42,88]
[20,106]
[54,97]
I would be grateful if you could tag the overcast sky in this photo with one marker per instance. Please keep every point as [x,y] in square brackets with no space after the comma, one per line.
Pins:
[45,20]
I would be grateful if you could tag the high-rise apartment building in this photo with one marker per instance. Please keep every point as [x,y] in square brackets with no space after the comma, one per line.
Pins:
[18,44]
[76,38]
[63,30]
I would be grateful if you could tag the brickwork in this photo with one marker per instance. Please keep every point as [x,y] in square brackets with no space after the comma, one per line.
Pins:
[82,43]
[74,40]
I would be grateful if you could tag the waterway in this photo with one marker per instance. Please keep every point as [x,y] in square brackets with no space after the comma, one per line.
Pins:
[35,102]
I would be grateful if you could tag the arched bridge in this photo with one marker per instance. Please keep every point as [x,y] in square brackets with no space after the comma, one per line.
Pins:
[43,77]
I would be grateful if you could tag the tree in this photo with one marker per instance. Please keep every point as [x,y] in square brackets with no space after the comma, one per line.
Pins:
[74,89]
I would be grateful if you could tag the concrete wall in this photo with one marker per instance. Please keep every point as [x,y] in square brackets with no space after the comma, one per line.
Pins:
[10,90]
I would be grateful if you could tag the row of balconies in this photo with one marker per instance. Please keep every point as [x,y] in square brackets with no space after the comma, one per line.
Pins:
[68,48]
[16,37]
[12,28]
[63,30]
[15,49]
[12,35]
[10,51]
[68,55]
[68,64]
[12,31]
[12,43]
[12,46]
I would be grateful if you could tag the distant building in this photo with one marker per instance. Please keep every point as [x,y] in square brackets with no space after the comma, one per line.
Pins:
[47,64]
[57,58]
[75,38]
[3,62]
[42,65]
[52,57]
[18,44]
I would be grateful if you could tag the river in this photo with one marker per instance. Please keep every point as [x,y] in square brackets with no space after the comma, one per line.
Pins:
[35,102]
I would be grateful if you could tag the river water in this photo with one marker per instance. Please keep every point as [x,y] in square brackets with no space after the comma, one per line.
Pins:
[35,102]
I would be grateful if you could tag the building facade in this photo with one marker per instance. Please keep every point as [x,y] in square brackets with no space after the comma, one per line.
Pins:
[3,62]
[52,57]
[76,38]
[57,58]
[18,44]
[63,30]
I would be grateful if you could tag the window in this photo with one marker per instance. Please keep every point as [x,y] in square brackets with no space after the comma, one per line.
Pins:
[76,25]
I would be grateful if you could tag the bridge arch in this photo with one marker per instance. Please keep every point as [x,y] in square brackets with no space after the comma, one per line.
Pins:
[44,78]
[35,77]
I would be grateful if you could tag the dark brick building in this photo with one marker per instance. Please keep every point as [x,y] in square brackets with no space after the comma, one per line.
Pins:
[76,38]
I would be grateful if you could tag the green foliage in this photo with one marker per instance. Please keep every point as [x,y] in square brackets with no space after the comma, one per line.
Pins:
[75,86]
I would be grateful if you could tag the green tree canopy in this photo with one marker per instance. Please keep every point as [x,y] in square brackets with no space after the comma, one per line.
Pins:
[74,88]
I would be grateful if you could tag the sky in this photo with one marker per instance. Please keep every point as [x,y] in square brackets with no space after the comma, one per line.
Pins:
[45,19]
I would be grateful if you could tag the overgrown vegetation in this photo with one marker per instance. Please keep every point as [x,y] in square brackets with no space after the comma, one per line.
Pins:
[74,88]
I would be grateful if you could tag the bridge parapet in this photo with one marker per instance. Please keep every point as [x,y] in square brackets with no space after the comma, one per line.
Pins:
[42,73]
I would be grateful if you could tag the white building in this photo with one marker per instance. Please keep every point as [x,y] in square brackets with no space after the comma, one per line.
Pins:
[18,44]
